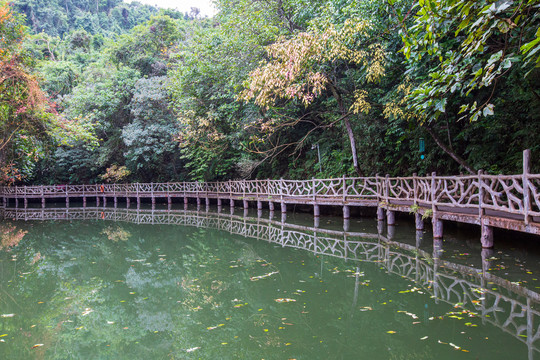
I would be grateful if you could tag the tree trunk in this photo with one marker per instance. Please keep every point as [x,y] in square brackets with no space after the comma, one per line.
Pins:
[353,146]
[348,126]
[449,151]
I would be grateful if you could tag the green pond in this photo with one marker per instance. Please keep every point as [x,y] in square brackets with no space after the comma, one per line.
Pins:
[155,284]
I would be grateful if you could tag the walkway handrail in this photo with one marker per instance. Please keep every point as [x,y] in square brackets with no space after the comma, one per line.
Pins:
[513,194]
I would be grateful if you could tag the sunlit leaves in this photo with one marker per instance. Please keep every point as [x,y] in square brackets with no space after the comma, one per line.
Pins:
[468,46]
[299,66]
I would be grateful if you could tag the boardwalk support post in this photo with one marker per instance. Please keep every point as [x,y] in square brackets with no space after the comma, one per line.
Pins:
[316,211]
[437,228]
[380,213]
[486,236]
[346,212]
[391,217]
[419,221]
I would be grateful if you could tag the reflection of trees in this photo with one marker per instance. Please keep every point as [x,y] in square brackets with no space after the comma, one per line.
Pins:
[116,233]
[10,236]
[187,280]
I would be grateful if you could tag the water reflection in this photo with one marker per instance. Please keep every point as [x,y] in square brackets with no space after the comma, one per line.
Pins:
[10,236]
[500,302]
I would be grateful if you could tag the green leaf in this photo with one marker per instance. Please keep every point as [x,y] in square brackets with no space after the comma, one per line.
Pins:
[488,110]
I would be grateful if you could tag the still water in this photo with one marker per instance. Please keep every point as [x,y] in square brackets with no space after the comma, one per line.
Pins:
[144,284]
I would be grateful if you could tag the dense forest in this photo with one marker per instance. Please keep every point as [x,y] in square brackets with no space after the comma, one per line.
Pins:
[116,92]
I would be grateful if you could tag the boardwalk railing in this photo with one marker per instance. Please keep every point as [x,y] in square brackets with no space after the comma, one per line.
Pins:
[508,194]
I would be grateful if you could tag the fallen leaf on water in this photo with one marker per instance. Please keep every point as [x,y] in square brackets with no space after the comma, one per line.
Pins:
[3,335]
[193,349]
[424,338]
[391,332]
[281,300]
[87,311]
[37,345]
[214,327]
[255,278]
[7,315]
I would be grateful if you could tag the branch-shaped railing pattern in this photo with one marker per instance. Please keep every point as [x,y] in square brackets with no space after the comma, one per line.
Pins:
[511,195]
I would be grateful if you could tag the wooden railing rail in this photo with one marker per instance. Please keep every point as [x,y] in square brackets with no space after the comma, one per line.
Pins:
[514,194]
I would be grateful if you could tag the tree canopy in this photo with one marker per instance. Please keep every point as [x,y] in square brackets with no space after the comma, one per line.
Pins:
[155,95]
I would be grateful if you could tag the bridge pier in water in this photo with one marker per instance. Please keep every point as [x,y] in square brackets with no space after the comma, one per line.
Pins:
[391,217]
[418,221]
[346,212]
[437,224]
[486,236]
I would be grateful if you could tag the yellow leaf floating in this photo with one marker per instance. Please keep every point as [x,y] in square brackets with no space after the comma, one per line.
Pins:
[391,332]
[255,278]
[214,327]
[286,300]
[36,346]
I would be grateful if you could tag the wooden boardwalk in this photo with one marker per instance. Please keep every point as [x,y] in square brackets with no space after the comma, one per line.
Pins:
[502,201]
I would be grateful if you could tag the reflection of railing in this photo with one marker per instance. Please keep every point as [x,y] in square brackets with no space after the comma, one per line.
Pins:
[511,307]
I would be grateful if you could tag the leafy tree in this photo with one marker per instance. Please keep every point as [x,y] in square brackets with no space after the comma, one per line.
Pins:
[461,52]
[152,152]
[57,17]
[27,118]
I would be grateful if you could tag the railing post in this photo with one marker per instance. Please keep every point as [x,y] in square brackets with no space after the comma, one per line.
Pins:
[432,193]
[387,189]
[313,191]
[436,222]
[283,205]
[344,190]
[415,189]
[526,187]
[480,195]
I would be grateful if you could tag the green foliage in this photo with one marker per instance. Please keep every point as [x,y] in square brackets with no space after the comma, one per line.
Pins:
[171,96]
[458,48]
[57,18]
[152,153]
